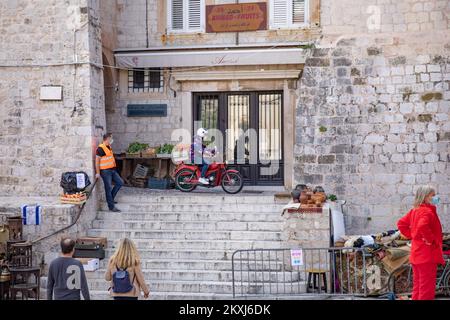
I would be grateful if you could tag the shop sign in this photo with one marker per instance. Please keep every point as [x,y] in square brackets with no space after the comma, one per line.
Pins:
[236,17]
[147,110]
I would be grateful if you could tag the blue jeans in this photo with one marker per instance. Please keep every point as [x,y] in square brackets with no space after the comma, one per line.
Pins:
[205,167]
[108,177]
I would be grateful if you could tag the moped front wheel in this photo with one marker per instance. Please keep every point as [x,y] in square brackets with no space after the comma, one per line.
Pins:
[232,182]
[182,180]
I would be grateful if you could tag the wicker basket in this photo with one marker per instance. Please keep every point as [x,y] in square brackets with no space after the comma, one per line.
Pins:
[70,200]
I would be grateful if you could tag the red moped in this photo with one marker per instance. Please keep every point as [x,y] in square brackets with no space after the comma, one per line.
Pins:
[187,176]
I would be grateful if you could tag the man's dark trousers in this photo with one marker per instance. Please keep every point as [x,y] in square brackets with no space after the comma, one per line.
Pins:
[108,177]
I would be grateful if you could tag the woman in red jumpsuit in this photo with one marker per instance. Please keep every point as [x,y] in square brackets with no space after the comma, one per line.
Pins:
[423,226]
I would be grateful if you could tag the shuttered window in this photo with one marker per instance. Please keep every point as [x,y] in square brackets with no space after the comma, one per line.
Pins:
[298,12]
[186,15]
[194,14]
[177,15]
[288,13]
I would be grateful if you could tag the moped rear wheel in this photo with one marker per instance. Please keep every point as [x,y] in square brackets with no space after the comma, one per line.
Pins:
[232,182]
[182,180]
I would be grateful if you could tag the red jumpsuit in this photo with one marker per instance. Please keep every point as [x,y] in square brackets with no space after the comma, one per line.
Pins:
[423,226]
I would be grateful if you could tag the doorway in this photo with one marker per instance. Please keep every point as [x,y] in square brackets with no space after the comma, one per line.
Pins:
[252,126]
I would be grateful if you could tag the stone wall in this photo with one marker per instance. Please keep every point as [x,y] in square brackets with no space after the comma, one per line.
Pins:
[311,230]
[40,139]
[49,43]
[153,131]
[373,118]
[54,216]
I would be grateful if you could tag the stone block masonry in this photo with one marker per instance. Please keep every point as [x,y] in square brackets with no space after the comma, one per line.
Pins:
[375,143]
[384,98]
[41,139]
[48,43]
[54,216]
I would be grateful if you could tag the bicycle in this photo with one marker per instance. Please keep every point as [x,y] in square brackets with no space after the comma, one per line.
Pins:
[400,281]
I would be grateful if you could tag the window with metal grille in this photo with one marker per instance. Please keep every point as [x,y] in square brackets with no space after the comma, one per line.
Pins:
[289,13]
[145,80]
[185,15]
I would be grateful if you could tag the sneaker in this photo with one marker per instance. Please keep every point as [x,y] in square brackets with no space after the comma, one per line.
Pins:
[203,181]
[114,210]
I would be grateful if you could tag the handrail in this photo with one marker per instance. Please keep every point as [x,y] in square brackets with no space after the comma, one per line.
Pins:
[73,223]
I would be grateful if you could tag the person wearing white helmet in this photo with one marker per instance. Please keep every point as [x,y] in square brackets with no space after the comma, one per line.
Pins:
[198,151]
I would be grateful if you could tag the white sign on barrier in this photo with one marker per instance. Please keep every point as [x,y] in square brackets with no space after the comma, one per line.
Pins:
[297,257]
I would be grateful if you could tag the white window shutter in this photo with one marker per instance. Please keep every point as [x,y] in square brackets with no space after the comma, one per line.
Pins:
[279,13]
[298,11]
[194,14]
[176,15]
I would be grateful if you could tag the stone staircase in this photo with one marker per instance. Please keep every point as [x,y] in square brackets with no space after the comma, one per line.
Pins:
[186,241]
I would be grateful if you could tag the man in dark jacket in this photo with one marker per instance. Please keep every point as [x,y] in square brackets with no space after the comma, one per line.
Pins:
[66,277]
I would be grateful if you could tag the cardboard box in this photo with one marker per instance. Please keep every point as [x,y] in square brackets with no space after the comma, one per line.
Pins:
[90,265]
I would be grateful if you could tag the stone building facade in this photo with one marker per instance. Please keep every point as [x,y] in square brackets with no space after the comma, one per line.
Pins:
[371,103]
[373,116]
[365,99]
[48,43]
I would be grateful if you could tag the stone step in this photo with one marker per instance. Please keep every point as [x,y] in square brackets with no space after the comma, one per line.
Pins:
[206,275]
[155,295]
[103,295]
[218,265]
[206,207]
[175,254]
[205,286]
[236,216]
[145,225]
[228,245]
[185,235]
[196,199]
[201,254]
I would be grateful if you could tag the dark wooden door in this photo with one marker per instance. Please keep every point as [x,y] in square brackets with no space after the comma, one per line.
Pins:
[252,127]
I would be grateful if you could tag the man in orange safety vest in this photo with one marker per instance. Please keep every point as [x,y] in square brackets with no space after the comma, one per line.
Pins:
[105,166]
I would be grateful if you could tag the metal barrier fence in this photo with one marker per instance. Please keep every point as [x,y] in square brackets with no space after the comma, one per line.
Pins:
[296,272]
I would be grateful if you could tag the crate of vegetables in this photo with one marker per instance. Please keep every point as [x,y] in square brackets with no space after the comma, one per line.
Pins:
[135,150]
[164,151]
[76,198]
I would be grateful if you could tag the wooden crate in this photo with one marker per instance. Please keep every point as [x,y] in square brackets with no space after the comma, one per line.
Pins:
[134,155]
[306,210]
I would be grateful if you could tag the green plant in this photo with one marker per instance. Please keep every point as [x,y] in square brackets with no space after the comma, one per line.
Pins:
[165,149]
[136,147]
[332,197]
[323,129]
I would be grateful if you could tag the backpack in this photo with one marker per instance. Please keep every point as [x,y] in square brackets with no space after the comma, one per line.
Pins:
[121,281]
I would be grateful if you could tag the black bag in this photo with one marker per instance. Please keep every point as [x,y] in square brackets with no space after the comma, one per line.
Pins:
[94,251]
[72,182]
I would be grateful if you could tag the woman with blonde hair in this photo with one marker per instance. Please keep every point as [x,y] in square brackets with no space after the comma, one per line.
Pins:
[125,274]
[423,227]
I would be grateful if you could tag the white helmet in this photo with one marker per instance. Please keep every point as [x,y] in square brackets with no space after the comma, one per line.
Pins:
[202,132]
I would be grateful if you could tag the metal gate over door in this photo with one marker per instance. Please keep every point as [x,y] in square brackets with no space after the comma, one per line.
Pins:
[260,160]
